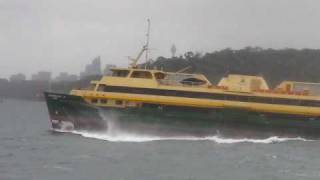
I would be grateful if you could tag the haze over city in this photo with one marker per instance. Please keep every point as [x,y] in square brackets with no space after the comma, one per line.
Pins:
[63,36]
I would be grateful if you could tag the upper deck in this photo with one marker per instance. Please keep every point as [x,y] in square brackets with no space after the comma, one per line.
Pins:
[232,84]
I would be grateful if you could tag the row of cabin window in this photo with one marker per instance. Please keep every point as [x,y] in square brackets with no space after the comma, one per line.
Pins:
[138,74]
[105,101]
[217,96]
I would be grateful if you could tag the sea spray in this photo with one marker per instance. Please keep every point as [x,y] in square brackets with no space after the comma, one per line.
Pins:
[116,134]
[112,123]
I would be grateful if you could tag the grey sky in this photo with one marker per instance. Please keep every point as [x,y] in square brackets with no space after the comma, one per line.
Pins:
[63,35]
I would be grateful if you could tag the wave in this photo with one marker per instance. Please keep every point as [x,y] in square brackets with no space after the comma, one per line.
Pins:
[129,137]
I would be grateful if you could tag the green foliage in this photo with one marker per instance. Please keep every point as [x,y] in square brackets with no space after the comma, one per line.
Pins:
[274,65]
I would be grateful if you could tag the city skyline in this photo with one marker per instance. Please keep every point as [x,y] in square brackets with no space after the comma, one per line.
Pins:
[62,35]
[92,68]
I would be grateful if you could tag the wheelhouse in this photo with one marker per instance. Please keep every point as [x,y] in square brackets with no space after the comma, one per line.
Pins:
[160,77]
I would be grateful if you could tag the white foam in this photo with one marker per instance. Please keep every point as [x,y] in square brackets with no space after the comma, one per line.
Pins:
[126,137]
[116,134]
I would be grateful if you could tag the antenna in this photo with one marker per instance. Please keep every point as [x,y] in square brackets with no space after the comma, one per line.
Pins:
[147,43]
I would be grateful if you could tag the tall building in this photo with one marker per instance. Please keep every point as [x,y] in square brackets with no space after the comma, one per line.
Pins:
[41,76]
[17,77]
[64,76]
[92,69]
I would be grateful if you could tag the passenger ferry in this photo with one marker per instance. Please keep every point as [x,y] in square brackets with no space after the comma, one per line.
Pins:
[187,100]
[176,102]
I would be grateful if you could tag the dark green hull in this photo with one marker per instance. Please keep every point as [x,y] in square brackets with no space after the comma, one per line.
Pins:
[72,112]
[172,121]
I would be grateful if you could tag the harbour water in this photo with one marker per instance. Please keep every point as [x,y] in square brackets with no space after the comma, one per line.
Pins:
[29,150]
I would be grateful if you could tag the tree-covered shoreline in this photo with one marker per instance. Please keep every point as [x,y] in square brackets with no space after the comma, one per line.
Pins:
[274,65]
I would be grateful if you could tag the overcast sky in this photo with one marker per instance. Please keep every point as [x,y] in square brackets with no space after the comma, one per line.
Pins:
[64,35]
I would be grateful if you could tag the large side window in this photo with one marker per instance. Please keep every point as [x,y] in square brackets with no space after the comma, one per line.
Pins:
[141,74]
[120,73]
[91,87]
[159,75]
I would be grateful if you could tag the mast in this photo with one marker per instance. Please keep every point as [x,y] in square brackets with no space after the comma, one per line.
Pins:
[145,49]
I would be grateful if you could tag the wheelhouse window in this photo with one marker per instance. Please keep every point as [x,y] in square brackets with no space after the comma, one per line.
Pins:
[120,73]
[91,87]
[101,87]
[141,74]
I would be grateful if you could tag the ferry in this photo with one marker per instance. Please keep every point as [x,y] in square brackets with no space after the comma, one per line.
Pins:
[148,100]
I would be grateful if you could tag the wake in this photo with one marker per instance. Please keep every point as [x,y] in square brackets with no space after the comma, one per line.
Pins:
[117,134]
[129,137]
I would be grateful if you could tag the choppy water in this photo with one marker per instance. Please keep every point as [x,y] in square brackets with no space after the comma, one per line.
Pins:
[29,150]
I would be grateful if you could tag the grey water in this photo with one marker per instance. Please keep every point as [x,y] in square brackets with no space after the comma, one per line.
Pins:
[29,150]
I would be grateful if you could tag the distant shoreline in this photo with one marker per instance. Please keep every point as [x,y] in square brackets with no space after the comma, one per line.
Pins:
[274,65]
